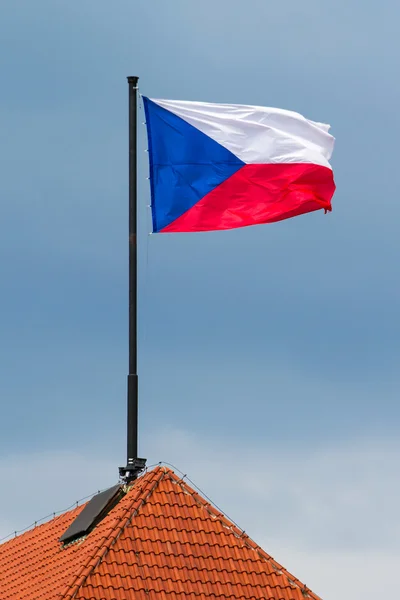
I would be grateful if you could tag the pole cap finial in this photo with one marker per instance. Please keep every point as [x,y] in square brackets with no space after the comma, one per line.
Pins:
[133,79]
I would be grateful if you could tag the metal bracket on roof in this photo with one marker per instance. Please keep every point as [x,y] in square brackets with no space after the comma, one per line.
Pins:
[132,470]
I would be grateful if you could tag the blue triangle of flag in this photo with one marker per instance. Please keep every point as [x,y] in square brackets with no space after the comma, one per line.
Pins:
[185,164]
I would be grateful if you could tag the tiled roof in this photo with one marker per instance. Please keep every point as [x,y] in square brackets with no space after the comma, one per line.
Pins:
[162,540]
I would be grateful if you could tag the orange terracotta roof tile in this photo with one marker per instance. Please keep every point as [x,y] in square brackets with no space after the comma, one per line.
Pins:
[161,540]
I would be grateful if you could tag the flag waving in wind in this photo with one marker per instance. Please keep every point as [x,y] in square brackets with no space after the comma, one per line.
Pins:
[221,166]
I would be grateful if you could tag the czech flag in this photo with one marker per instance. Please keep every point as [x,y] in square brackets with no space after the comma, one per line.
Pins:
[220,166]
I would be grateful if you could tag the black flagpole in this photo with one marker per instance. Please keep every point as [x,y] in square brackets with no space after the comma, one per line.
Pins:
[134,465]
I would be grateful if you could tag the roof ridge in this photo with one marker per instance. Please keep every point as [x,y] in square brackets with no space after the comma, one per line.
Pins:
[113,533]
[217,513]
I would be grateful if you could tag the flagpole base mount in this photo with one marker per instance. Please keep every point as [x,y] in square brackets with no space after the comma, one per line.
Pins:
[132,470]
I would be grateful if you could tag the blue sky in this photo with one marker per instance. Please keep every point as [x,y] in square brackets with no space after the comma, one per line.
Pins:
[279,343]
